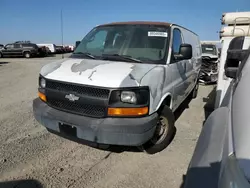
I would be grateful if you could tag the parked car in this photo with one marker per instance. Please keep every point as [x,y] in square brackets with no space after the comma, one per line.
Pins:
[67,49]
[59,49]
[19,49]
[43,51]
[121,85]
[222,156]
[52,47]
[71,48]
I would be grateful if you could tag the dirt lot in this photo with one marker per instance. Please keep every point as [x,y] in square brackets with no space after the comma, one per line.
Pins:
[29,152]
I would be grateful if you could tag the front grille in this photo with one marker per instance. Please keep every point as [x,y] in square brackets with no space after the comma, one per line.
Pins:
[82,90]
[76,108]
[56,92]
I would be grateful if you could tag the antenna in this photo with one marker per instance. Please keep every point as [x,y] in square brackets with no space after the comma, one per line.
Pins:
[62,29]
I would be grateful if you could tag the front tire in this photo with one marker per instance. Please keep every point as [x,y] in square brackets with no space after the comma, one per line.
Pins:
[164,132]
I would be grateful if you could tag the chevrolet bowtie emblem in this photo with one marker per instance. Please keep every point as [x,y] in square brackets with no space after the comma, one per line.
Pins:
[71,97]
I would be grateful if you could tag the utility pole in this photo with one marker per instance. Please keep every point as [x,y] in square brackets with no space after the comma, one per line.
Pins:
[62,30]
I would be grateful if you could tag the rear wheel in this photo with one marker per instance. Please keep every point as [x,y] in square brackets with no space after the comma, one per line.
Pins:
[164,132]
[27,54]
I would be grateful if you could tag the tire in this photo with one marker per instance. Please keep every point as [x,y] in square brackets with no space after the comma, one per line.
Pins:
[194,93]
[1,55]
[160,142]
[27,54]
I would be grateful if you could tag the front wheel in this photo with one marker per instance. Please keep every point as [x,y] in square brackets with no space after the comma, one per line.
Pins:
[164,132]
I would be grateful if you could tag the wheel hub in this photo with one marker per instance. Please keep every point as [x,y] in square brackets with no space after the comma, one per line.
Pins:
[161,130]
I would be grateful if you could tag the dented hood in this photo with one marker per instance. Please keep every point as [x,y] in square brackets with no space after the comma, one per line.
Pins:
[97,72]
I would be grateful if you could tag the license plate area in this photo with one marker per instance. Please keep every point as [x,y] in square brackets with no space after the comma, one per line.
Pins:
[67,129]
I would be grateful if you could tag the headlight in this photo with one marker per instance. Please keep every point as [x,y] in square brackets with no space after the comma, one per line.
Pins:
[128,97]
[129,102]
[42,83]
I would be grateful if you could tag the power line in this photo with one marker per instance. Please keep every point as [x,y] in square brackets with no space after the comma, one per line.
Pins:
[62,30]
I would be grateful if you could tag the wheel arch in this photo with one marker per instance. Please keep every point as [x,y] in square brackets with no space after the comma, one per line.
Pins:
[26,52]
[165,100]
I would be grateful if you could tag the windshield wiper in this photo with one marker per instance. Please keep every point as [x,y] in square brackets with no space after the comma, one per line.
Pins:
[120,57]
[85,54]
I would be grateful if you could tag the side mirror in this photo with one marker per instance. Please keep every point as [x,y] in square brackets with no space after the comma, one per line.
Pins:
[235,56]
[77,43]
[186,51]
[231,72]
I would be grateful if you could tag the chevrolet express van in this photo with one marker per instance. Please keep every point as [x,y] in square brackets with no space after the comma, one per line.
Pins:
[121,85]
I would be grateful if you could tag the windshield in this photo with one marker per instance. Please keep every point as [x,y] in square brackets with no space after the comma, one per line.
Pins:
[209,49]
[142,42]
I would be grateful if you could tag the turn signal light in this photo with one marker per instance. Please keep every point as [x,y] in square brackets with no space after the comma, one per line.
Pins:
[127,111]
[42,96]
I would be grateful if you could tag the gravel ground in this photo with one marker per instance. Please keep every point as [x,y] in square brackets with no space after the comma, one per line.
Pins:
[32,157]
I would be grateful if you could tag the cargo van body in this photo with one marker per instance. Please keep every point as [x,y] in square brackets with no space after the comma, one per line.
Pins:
[121,85]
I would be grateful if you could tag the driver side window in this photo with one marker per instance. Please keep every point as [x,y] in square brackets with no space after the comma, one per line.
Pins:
[177,40]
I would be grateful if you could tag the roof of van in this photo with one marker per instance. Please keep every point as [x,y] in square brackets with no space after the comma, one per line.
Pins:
[138,22]
[144,23]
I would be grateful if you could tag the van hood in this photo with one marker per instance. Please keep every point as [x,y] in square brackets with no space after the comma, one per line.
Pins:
[97,72]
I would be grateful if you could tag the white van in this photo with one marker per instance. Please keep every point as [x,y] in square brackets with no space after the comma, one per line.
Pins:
[52,47]
[121,85]
[236,24]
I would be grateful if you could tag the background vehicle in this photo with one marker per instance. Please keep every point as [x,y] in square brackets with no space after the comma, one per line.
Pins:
[210,58]
[60,49]
[241,20]
[43,51]
[129,77]
[52,47]
[18,49]
[1,46]
[221,157]
[71,48]
[210,49]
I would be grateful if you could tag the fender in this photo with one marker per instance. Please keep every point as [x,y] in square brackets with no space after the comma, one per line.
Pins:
[163,98]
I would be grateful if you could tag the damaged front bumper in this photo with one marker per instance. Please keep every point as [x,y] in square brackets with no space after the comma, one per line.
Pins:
[112,131]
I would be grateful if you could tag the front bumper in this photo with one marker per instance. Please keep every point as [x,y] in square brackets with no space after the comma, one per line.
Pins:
[113,131]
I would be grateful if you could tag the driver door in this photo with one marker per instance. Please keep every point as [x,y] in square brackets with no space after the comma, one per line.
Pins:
[179,78]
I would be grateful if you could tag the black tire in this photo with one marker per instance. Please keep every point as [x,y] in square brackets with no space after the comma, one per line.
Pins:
[1,55]
[153,146]
[27,54]
[194,93]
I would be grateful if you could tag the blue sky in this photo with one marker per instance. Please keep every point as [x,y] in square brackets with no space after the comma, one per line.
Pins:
[39,21]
